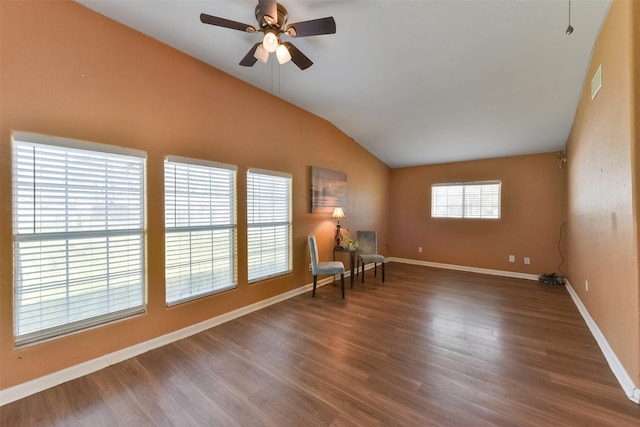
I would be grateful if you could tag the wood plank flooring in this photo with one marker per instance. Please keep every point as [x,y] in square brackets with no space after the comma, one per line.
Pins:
[427,348]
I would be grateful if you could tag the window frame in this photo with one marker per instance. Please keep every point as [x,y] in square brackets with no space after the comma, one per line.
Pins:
[198,166]
[286,256]
[463,206]
[69,242]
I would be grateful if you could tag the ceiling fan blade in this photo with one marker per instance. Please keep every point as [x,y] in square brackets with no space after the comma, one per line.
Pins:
[249,59]
[269,9]
[226,23]
[298,57]
[315,27]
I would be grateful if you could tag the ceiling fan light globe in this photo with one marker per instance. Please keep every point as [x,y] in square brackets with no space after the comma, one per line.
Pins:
[283,55]
[261,54]
[270,42]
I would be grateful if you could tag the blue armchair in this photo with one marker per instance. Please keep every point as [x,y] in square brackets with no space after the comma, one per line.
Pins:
[329,267]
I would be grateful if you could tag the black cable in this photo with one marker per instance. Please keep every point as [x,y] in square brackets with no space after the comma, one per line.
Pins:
[560,250]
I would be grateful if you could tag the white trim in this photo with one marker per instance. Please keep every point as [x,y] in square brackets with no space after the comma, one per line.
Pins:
[59,141]
[199,162]
[631,390]
[503,273]
[28,388]
[269,172]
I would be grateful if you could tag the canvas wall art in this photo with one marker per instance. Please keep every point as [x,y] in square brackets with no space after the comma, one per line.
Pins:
[328,190]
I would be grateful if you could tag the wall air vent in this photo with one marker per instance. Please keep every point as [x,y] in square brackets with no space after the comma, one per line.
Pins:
[596,82]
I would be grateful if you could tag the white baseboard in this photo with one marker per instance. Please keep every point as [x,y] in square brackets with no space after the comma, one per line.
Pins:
[503,273]
[28,388]
[631,390]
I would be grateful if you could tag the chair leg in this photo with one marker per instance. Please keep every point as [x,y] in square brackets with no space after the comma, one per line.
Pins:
[342,284]
[383,272]
[315,282]
[375,269]
[362,279]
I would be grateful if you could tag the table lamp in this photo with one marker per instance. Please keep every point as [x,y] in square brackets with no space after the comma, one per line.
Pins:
[338,214]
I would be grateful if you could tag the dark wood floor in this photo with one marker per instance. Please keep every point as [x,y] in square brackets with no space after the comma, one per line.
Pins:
[428,348]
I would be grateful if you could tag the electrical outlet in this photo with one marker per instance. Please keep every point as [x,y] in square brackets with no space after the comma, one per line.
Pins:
[586,285]
[310,267]
[512,258]
[527,260]
[420,249]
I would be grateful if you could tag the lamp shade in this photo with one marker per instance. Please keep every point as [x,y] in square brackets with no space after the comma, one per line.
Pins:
[338,213]
[283,55]
[270,41]
[261,53]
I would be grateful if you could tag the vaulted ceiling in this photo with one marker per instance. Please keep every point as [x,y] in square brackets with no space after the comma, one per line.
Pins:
[413,81]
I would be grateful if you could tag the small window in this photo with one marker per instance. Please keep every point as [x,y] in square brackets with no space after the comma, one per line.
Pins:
[268,223]
[78,227]
[200,228]
[466,200]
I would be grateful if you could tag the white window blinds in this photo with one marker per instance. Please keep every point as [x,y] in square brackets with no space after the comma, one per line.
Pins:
[268,223]
[467,200]
[78,224]
[200,228]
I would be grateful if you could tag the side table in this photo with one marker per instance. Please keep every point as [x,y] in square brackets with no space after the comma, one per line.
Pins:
[352,257]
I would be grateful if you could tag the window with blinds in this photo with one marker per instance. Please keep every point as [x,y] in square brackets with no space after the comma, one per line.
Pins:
[78,225]
[466,200]
[200,228]
[268,223]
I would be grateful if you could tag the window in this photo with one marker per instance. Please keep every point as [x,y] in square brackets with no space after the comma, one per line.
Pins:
[200,228]
[78,225]
[269,224]
[466,200]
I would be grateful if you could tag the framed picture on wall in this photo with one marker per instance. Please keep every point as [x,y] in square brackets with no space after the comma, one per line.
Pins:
[328,190]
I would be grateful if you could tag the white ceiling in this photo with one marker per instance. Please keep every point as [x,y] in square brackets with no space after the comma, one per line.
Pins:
[413,81]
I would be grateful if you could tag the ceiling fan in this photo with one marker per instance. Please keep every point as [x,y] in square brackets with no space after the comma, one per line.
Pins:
[272,22]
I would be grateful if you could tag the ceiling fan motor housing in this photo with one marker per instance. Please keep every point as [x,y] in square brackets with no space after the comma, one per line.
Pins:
[281,22]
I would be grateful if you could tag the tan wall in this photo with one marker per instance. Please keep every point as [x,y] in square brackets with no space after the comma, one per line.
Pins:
[602,233]
[635,150]
[69,72]
[532,215]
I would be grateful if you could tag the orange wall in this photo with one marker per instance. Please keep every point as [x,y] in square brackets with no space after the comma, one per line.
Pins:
[635,145]
[602,174]
[532,215]
[67,71]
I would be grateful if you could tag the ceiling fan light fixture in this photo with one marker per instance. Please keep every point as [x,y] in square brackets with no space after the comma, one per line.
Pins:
[270,41]
[283,55]
[261,54]
[272,22]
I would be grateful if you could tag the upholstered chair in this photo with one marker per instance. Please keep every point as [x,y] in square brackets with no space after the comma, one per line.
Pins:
[368,251]
[328,267]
